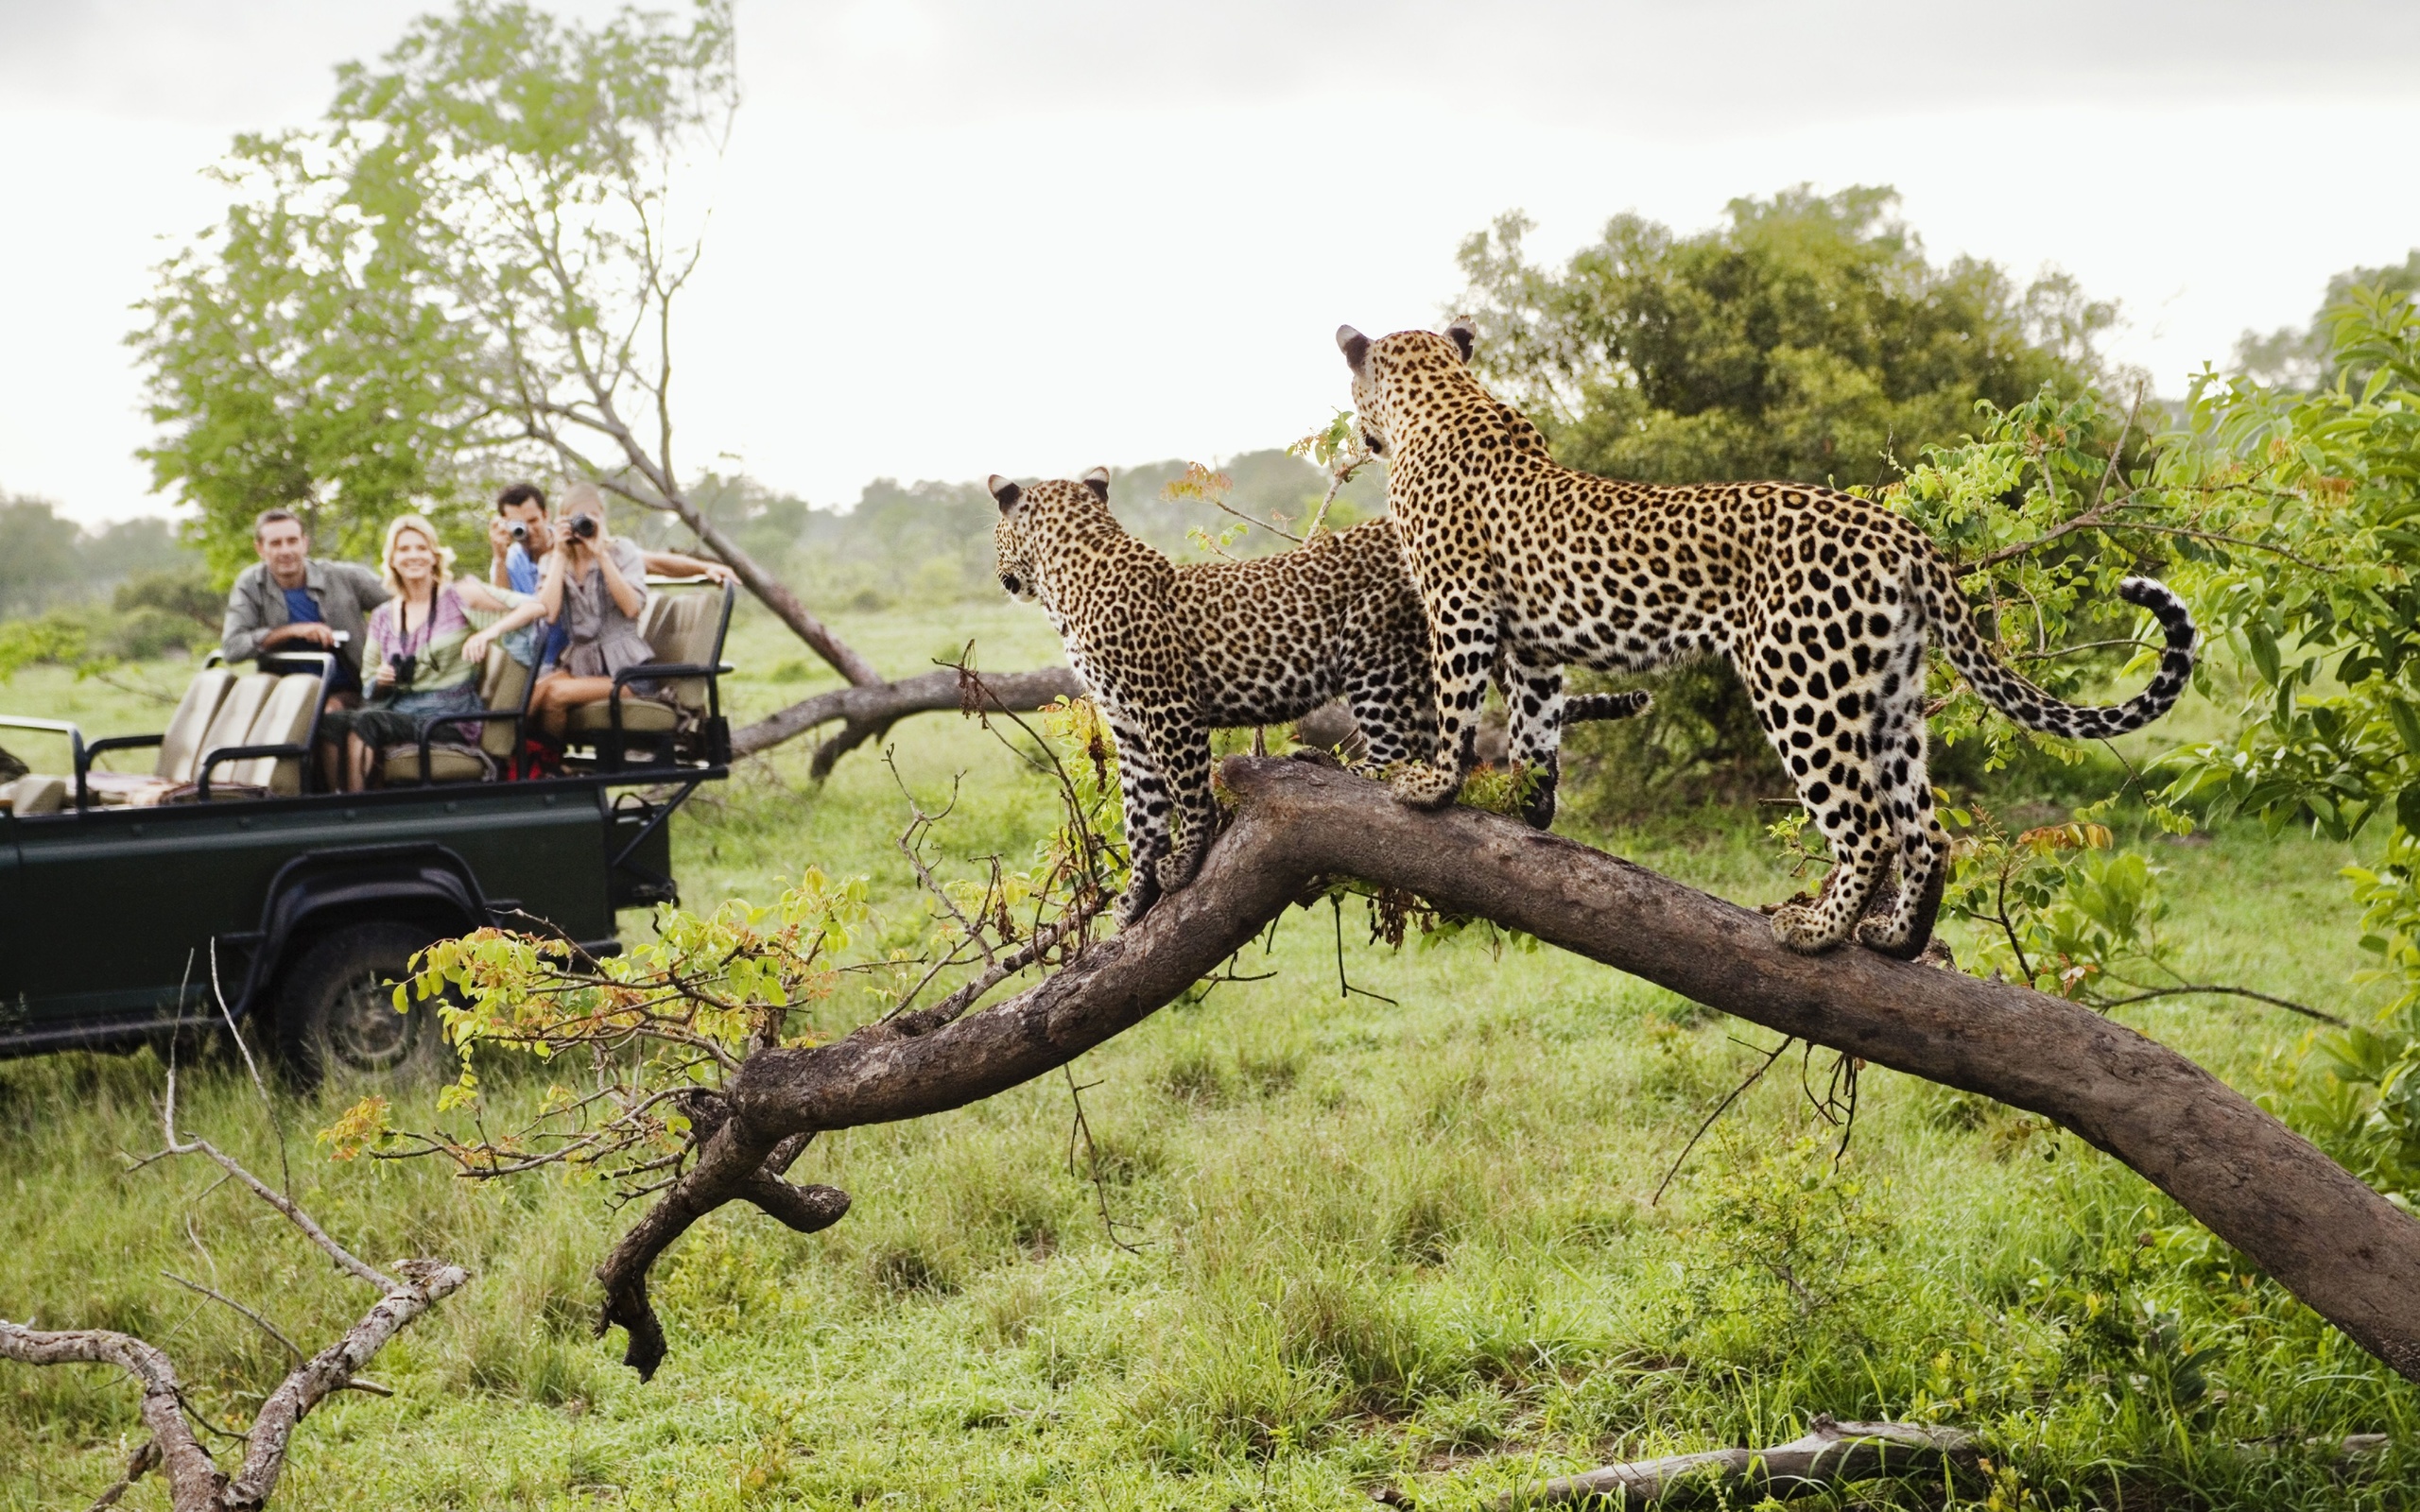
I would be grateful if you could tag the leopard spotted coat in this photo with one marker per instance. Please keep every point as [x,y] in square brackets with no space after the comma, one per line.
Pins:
[1821,600]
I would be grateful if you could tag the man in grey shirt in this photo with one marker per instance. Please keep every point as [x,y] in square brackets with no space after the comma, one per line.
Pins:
[289,600]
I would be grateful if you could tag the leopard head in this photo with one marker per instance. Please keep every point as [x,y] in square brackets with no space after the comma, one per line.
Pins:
[1029,515]
[1380,370]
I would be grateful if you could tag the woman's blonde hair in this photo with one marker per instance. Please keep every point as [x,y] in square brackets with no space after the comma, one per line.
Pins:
[428,532]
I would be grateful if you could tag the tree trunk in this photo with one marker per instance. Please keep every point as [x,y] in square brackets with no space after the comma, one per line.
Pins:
[2328,1239]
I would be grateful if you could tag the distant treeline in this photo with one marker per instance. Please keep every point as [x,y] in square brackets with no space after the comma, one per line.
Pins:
[927,542]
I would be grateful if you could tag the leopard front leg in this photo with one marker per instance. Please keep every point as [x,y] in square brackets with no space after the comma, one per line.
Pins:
[1184,741]
[1146,795]
[1533,704]
[1461,644]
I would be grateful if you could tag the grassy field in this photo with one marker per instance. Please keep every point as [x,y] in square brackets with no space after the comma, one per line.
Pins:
[1410,1244]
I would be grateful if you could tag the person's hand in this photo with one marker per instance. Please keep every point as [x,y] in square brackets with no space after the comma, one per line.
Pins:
[310,632]
[499,536]
[719,573]
[475,650]
[386,677]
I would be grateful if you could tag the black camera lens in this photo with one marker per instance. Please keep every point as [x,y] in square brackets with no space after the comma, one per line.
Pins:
[520,530]
[583,526]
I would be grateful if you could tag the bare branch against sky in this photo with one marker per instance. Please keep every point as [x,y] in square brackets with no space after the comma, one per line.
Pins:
[961,238]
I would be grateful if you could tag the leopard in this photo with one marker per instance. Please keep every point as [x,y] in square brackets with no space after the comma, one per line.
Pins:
[1824,602]
[1171,651]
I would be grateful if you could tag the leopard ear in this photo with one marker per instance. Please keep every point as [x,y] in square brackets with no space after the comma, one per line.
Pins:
[1355,346]
[1464,333]
[1005,491]
[1097,480]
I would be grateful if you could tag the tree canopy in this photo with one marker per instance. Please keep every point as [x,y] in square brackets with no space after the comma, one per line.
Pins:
[1808,337]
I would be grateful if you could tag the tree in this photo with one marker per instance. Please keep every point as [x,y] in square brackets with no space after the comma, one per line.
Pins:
[721,1075]
[1809,338]
[471,267]
[2304,357]
[37,555]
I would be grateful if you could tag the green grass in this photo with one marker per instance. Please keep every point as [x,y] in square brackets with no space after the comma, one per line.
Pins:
[1411,1244]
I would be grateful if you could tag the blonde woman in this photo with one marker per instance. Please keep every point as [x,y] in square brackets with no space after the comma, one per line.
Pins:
[420,656]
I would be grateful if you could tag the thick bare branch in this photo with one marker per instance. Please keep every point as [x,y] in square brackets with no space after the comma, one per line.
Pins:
[193,1479]
[2333,1241]
[865,713]
[1828,1454]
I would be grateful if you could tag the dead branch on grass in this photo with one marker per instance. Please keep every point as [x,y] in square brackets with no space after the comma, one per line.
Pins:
[196,1484]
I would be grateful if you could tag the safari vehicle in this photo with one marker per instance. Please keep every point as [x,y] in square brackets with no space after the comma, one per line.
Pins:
[133,903]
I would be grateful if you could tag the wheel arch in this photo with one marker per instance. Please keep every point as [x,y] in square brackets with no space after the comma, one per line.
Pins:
[324,890]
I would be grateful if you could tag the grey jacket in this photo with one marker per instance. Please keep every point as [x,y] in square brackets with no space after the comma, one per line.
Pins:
[255,606]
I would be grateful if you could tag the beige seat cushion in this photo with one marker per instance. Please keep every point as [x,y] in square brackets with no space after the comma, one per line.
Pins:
[233,723]
[640,717]
[285,719]
[504,683]
[180,744]
[34,794]
[446,764]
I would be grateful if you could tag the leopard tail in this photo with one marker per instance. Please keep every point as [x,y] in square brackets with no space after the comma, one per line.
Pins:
[1953,625]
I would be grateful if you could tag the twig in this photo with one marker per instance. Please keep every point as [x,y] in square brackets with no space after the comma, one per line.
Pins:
[1345,987]
[292,1349]
[141,1462]
[277,1125]
[1720,1109]
[2287,1004]
[1092,1158]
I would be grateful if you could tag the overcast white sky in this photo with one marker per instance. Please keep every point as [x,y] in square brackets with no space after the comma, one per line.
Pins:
[957,238]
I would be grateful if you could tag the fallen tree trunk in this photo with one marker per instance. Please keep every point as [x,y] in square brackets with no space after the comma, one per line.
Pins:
[866,711]
[1828,1454]
[2330,1240]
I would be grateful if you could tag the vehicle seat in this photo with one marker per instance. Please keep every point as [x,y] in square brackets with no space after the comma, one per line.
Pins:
[34,794]
[286,719]
[181,745]
[504,684]
[682,624]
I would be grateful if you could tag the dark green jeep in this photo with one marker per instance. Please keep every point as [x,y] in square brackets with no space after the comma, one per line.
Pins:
[221,888]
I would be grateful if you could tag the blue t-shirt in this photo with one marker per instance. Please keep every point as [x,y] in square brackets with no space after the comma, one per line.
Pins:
[302,609]
[524,576]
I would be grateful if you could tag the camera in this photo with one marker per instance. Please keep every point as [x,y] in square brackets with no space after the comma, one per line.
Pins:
[519,530]
[583,527]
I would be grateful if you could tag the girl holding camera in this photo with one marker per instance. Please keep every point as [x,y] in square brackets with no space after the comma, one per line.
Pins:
[427,657]
[595,587]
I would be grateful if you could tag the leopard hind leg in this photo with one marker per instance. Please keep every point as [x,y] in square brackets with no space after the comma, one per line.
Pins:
[1831,760]
[1144,793]
[1906,928]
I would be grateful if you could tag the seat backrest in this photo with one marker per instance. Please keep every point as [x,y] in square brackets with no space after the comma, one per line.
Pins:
[232,724]
[34,794]
[689,629]
[504,683]
[180,744]
[285,719]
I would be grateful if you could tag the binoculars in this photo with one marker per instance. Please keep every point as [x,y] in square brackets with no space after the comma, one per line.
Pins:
[583,527]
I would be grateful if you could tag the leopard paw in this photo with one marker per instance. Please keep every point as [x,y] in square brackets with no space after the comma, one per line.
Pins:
[1886,935]
[1142,891]
[1426,787]
[1178,869]
[1801,929]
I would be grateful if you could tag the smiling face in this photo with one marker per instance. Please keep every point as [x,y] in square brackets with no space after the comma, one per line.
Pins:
[412,558]
[284,547]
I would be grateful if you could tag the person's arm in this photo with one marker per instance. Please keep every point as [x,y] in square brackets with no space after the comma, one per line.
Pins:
[479,595]
[550,587]
[674,564]
[499,546]
[527,611]
[241,634]
[629,597]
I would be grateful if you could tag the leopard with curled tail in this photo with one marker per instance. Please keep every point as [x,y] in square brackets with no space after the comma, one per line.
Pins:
[1823,601]
[1172,651]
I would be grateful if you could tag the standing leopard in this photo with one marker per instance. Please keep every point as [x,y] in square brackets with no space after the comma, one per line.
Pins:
[1823,601]
[1172,652]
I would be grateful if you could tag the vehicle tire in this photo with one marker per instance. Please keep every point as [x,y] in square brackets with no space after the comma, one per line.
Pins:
[336,1012]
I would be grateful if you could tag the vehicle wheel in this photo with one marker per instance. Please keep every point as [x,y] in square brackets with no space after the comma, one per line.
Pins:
[336,1014]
